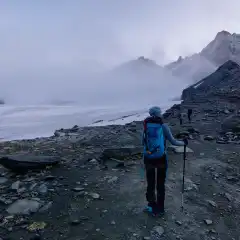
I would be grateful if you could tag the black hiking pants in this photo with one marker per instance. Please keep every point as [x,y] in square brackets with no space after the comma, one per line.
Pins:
[156,177]
[189,117]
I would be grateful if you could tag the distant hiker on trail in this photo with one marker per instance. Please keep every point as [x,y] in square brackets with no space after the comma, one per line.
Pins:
[155,157]
[180,116]
[189,115]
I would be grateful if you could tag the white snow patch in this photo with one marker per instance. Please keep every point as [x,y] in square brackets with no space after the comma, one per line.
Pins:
[196,86]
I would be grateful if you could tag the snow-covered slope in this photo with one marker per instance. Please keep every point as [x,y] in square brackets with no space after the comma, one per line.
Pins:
[224,47]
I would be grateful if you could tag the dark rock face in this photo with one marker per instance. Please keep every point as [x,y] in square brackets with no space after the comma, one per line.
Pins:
[231,124]
[224,83]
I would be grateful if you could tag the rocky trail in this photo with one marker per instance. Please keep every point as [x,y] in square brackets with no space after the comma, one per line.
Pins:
[96,191]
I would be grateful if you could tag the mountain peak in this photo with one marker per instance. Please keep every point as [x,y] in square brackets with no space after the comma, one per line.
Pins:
[223,50]
[146,60]
[179,59]
[224,47]
[223,33]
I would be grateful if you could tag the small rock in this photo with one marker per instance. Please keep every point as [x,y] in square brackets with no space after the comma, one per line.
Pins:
[113,179]
[226,111]
[49,178]
[179,223]
[212,203]
[228,196]
[94,162]
[78,189]
[146,238]
[3,180]
[212,231]
[113,222]
[43,189]
[75,221]
[189,185]
[83,218]
[209,138]
[208,222]
[94,195]
[157,231]
[16,185]
[178,238]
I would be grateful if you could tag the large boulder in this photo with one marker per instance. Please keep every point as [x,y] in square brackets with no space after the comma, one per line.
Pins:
[25,161]
[24,207]
[122,152]
[231,124]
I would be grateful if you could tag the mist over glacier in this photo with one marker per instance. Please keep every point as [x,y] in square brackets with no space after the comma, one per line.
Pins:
[134,83]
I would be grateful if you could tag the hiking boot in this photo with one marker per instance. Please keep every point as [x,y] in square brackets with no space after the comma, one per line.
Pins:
[154,210]
[150,208]
[159,211]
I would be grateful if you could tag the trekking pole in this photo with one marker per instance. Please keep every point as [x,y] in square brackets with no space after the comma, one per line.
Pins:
[184,160]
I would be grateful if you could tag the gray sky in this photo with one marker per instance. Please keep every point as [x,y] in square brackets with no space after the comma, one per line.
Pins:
[61,39]
[53,33]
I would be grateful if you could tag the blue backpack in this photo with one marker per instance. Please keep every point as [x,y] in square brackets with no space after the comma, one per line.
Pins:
[154,142]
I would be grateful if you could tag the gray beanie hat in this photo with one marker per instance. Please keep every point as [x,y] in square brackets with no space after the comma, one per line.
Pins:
[155,111]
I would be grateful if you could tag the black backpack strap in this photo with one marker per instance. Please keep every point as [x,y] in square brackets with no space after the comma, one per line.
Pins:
[145,133]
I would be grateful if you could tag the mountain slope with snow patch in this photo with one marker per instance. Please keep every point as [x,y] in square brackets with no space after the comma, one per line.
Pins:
[224,47]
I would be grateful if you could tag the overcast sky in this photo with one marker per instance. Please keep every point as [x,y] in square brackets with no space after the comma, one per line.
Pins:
[57,33]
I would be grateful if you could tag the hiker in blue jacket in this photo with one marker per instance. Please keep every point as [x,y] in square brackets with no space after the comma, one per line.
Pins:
[154,139]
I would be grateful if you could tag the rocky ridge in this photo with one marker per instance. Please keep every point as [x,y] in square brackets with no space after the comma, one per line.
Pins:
[224,47]
[223,83]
